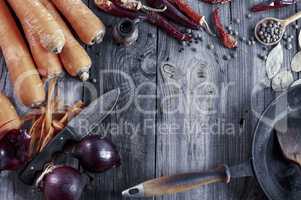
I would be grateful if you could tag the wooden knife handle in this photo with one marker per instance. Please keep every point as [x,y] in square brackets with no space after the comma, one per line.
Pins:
[179,183]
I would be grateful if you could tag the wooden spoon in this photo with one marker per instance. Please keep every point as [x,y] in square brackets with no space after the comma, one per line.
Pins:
[289,136]
[284,23]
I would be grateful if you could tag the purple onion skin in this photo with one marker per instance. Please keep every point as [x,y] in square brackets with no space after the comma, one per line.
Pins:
[63,183]
[97,154]
[8,159]
[14,150]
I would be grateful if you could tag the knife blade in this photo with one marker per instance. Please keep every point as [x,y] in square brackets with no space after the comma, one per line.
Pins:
[92,115]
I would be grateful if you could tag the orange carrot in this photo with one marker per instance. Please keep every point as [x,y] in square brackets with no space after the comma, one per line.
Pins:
[48,64]
[86,24]
[33,14]
[9,119]
[28,86]
[75,59]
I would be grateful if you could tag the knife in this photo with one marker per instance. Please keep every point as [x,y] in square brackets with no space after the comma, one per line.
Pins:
[188,181]
[96,112]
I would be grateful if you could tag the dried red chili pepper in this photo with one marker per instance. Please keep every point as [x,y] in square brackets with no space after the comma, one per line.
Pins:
[135,5]
[169,28]
[185,8]
[216,1]
[227,40]
[174,14]
[110,8]
[272,4]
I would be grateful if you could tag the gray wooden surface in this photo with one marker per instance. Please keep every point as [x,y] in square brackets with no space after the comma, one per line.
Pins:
[200,116]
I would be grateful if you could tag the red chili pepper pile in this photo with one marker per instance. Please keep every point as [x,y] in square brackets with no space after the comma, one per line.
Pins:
[176,10]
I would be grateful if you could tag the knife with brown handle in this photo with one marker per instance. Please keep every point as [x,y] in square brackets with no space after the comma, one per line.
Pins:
[188,181]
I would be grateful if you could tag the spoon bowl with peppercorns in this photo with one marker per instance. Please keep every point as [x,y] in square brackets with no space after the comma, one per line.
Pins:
[269,31]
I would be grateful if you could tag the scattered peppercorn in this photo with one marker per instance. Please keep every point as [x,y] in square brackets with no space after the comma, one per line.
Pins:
[210,46]
[289,46]
[261,56]
[151,35]
[242,38]
[226,57]
[249,15]
[233,55]
[237,21]
[296,26]
[229,28]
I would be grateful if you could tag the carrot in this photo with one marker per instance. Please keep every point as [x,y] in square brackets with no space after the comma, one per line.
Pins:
[33,14]
[86,24]
[9,119]
[75,59]
[48,64]
[28,86]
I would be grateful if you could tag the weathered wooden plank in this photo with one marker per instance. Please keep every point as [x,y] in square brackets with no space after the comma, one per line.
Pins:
[247,73]
[116,66]
[189,146]
[253,98]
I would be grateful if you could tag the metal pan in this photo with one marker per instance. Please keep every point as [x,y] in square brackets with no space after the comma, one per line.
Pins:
[278,178]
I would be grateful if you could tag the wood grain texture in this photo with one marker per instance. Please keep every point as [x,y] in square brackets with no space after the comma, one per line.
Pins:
[189,102]
[113,67]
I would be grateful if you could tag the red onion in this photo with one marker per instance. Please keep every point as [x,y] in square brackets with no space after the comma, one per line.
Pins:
[14,150]
[62,183]
[97,154]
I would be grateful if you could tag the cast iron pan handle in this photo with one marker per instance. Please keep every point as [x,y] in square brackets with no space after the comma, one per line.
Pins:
[179,183]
